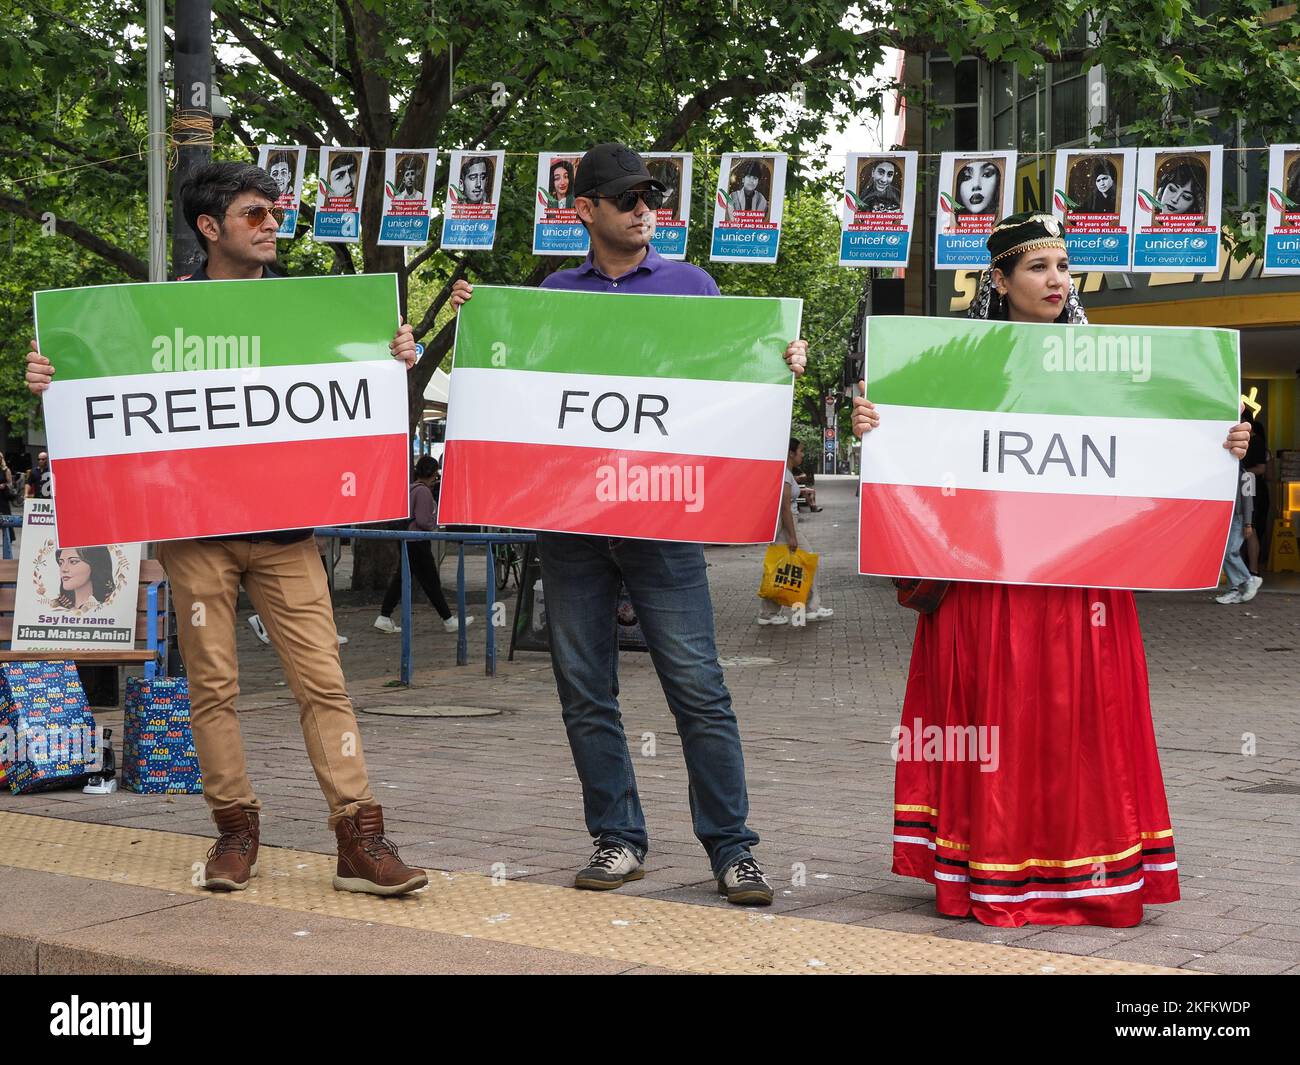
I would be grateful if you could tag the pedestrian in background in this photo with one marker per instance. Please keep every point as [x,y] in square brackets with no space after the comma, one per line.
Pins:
[770,612]
[1242,584]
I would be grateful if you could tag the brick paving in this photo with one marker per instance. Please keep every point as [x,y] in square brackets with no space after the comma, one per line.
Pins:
[816,707]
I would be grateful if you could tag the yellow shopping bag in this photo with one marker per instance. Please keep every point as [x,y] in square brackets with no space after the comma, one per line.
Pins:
[787,575]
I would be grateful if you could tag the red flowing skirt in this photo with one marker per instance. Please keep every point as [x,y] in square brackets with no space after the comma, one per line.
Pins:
[1028,787]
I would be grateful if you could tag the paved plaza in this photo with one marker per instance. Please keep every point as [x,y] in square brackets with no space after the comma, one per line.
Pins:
[497,795]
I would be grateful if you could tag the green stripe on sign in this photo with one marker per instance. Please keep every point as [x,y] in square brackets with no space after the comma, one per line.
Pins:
[114,330]
[719,338]
[1119,371]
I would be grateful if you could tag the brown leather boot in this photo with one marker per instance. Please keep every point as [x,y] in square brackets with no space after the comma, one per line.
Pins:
[368,861]
[233,858]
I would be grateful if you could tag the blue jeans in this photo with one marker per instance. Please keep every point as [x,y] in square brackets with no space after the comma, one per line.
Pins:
[1233,564]
[670,593]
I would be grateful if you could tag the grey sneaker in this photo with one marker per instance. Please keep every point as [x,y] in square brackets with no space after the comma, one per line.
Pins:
[744,884]
[1252,588]
[1229,597]
[611,866]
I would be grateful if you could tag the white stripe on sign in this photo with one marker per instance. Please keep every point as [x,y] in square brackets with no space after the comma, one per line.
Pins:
[1061,453]
[665,415]
[186,410]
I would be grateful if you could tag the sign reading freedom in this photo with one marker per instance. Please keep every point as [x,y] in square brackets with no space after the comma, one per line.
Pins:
[1048,454]
[214,408]
[651,417]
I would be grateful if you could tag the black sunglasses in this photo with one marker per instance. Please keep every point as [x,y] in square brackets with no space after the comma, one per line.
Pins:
[626,201]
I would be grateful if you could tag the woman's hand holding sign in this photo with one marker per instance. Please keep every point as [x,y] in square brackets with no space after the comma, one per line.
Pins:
[39,371]
[865,417]
[403,345]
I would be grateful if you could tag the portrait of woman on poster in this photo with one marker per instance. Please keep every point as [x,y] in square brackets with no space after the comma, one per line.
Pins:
[978,187]
[1292,159]
[281,165]
[85,577]
[880,185]
[1180,187]
[668,174]
[748,179]
[1103,195]
[409,170]
[562,183]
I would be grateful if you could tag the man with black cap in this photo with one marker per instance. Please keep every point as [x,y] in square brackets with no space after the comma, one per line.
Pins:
[616,200]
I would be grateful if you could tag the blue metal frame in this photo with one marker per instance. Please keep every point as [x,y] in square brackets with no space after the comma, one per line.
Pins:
[462,642]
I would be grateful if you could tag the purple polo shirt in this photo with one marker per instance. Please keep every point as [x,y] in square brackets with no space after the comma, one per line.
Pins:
[653,276]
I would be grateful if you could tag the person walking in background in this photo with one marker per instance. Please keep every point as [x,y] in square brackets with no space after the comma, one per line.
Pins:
[1256,543]
[40,484]
[7,486]
[1242,584]
[770,612]
[419,553]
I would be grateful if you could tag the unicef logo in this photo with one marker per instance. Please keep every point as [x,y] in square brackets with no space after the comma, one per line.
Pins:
[1199,242]
[482,227]
[892,240]
[763,238]
[1110,242]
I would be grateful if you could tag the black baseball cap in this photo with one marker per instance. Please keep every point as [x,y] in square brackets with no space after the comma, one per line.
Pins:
[611,168]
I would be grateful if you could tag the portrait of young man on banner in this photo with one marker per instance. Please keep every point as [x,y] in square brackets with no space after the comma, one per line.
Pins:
[285,164]
[408,196]
[673,218]
[1092,195]
[1282,211]
[556,229]
[975,192]
[340,184]
[747,208]
[72,598]
[876,208]
[469,219]
[1179,200]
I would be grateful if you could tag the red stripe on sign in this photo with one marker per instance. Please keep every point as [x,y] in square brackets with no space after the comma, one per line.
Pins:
[1042,538]
[601,492]
[217,491]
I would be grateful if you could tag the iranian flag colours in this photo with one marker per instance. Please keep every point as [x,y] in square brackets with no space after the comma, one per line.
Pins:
[1048,454]
[654,417]
[207,408]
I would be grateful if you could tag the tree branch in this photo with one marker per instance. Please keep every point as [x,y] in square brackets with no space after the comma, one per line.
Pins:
[134,268]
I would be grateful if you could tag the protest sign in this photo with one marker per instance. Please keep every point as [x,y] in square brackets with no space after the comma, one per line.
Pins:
[876,208]
[340,184]
[215,408]
[1282,211]
[655,417]
[72,599]
[747,207]
[285,165]
[408,196]
[469,217]
[1092,195]
[1179,199]
[1048,454]
[673,219]
[556,229]
[976,191]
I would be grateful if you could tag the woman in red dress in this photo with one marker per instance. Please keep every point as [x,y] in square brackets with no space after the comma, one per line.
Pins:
[1072,826]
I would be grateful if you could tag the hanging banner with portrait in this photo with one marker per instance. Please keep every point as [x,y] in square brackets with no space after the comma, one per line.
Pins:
[469,217]
[76,599]
[1176,220]
[556,229]
[976,191]
[1282,218]
[408,196]
[285,164]
[673,219]
[877,209]
[747,208]
[1093,191]
[339,186]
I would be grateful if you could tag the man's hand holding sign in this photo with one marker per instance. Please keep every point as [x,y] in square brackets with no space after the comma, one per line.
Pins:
[289,392]
[660,417]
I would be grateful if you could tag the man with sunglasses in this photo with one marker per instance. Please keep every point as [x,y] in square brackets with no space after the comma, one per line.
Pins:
[230,207]
[616,199]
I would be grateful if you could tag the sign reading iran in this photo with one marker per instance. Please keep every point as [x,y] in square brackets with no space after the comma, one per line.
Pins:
[651,417]
[1047,454]
[214,408]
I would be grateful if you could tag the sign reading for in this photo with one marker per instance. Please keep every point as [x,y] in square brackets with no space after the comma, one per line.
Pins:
[655,417]
[1047,454]
[215,408]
